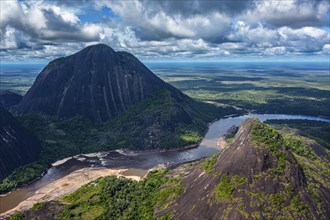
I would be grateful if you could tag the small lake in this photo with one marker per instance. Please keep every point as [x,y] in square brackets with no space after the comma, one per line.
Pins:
[138,164]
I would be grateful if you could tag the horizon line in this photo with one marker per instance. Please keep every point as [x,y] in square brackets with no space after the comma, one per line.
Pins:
[190,61]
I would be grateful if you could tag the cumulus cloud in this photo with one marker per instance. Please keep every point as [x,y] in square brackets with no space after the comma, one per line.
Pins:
[326,49]
[293,13]
[154,21]
[41,21]
[275,51]
[165,29]
[187,8]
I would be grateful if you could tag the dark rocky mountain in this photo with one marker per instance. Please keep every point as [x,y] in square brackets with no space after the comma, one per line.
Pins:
[137,110]
[140,111]
[97,82]
[17,146]
[255,177]
[9,99]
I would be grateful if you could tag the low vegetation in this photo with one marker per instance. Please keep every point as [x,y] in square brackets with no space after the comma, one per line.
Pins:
[113,198]
[316,168]
[317,130]
[281,91]
[17,216]
[271,138]
[268,137]
[295,144]
[38,205]
[23,175]
[225,188]
[121,198]
[209,163]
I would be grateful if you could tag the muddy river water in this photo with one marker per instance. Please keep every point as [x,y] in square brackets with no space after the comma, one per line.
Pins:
[136,164]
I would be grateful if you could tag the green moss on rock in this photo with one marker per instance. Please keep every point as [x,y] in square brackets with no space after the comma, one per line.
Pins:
[224,189]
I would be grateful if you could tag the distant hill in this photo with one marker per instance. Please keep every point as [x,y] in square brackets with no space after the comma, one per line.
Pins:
[17,146]
[9,99]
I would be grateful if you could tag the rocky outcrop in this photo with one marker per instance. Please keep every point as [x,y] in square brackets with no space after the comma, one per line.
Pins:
[9,99]
[17,146]
[97,82]
[255,177]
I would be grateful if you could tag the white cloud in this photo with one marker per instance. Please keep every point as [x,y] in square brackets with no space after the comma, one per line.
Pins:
[34,17]
[258,36]
[155,24]
[326,49]
[293,13]
[10,10]
[66,15]
[8,40]
[307,39]
[161,29]
[42,21]
[92,31]
[275,51]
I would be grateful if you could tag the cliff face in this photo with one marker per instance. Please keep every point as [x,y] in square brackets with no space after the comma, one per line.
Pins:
[17,146]
[9,99]
[140,110]
[97,83]
[255,177]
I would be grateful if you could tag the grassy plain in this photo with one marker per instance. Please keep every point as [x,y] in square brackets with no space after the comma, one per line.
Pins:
[288,88]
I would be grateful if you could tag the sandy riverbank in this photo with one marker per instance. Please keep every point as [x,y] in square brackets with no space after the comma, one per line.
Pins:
[100,154]
[66,185]
[59,162]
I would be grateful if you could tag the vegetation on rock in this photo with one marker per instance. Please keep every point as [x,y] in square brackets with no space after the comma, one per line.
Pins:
[116,198]
[225,188]
[317,130]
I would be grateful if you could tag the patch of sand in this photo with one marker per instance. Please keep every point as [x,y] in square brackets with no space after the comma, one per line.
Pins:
[66,185]
[59,162]
[222,143]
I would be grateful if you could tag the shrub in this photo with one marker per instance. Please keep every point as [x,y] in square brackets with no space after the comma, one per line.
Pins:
[38,205]
[17,216]
[224,189]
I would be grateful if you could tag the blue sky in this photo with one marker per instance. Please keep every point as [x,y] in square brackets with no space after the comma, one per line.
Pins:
[162,30]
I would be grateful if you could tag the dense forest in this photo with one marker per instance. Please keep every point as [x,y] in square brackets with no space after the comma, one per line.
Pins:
[132,130]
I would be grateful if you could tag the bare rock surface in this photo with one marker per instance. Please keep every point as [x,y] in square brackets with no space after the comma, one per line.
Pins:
[9,98]
[17,145]
[248,181]
[97,83]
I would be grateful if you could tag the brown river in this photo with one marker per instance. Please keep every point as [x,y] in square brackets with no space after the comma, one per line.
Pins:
[133,164]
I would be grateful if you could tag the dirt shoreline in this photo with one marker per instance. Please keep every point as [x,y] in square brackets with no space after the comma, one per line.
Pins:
[66,185]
